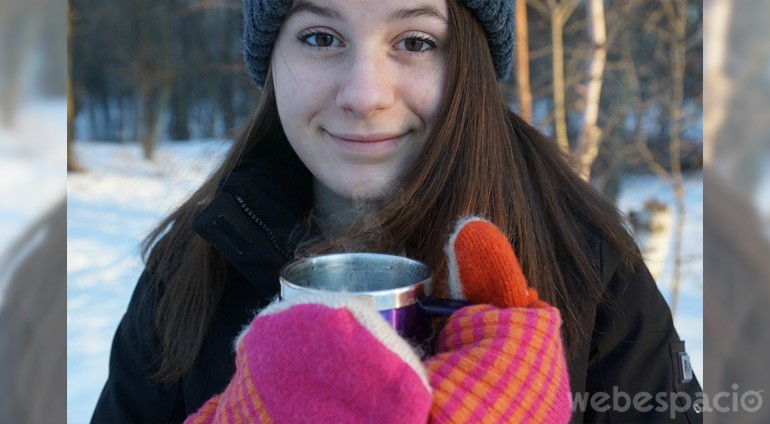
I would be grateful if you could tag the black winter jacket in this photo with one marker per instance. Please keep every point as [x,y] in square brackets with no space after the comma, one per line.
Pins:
[634,347]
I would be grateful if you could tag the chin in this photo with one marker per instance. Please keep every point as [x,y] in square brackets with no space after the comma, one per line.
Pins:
[363,189]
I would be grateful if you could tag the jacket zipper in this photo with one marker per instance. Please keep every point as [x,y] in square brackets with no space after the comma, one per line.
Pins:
[265,228]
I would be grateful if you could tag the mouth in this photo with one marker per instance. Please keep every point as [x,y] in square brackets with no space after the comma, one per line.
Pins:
[366,138]
[372,146]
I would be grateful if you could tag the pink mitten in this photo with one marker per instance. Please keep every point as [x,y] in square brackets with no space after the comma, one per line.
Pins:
[327,359]
[501,360]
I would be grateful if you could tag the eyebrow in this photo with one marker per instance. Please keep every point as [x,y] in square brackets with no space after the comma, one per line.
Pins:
[415,12]
[403,13]
[309,7]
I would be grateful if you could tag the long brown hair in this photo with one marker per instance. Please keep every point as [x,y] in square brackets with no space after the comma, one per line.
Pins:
[188,274]
[483,159]
[480,159]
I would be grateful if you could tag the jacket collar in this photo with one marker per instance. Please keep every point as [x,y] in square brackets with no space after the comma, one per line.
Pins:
[274,184]
[253,219]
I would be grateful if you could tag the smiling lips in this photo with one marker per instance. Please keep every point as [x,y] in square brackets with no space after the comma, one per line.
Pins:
[369,147]
[371,138]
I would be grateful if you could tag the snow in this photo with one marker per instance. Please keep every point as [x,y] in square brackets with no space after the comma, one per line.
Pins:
[113,206]
[32,165]
[110,209]
[32,169]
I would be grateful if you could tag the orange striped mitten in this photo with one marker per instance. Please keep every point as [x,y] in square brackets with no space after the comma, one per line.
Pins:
[502,359]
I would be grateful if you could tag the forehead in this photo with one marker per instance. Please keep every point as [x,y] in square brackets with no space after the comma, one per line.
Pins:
[379,10]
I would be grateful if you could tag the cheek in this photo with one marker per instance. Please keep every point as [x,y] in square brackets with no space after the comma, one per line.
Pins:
[301,90]
[427,93]
[289,97]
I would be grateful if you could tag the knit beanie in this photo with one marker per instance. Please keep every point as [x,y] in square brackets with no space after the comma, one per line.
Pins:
[263,18]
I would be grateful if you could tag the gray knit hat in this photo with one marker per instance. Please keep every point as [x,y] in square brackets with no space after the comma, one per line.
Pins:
[262,19]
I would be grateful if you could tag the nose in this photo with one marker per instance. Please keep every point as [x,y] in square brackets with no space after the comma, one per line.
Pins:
[367,86]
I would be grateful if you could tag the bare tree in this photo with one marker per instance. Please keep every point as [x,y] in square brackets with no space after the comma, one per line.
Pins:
[152,71]
[588,144]
[72,163]
[522,61]
[719,85]
[559,12]
[675,12]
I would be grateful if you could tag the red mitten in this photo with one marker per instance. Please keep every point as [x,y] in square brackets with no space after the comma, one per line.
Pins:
[327,359]
[501,363]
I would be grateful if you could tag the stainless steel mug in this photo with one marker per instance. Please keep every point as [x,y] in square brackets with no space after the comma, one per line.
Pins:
[399,288]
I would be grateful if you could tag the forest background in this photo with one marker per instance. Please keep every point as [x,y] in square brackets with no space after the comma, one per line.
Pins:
[736,153]
[617,84]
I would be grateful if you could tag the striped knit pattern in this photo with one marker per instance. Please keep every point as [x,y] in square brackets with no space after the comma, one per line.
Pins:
[336,362]
[241,401]
[499,361]
[500,366]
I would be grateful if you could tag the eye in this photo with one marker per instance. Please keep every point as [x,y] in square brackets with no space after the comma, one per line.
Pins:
[418,44]
[319,39]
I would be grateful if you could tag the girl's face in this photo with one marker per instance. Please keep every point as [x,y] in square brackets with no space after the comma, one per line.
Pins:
[358,85]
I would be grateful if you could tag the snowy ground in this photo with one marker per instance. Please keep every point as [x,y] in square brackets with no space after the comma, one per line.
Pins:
[32,169]
[113,206]
[109,210]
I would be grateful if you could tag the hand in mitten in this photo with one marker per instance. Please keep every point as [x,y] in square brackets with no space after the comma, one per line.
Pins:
[501,360]
[327,359]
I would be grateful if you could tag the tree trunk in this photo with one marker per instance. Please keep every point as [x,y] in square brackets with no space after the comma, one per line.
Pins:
[678,236]
[560,12]
[677,16]
[588,145]
[653,228]
[155,99]
[73,165]
[180,111]
[522,62]
[717,97]
[72,162]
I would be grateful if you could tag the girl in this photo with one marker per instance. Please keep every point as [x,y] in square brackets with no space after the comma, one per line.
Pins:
[380,124]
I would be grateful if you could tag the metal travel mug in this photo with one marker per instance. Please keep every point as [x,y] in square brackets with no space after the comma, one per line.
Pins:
[399,288]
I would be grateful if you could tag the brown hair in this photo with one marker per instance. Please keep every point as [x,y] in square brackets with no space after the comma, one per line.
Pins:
[480,159]
[188,274]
